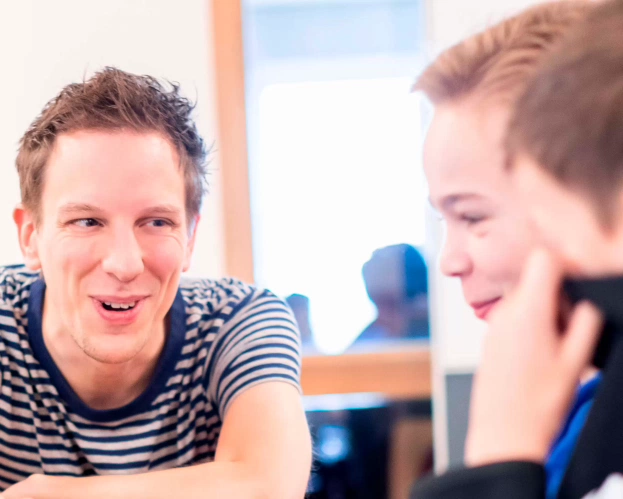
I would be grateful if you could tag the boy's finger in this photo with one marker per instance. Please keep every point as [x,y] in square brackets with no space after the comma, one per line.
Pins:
[581,336]
[540,283]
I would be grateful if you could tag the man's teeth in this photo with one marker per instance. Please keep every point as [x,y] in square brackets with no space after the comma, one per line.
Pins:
[120,306]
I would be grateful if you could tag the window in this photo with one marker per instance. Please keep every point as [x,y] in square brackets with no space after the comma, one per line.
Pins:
[334,151]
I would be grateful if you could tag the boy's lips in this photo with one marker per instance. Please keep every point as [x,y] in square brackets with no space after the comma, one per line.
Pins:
[483,309]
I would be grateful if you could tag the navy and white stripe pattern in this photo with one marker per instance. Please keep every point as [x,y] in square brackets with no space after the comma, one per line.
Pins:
[224,337]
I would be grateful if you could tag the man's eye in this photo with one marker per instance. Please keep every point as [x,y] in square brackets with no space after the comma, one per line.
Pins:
[159,222]
[86,223]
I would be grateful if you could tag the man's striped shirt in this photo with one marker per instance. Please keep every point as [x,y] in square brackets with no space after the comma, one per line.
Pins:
[223,338]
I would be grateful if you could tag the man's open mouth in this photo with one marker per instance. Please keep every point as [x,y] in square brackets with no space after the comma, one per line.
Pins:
[118,307]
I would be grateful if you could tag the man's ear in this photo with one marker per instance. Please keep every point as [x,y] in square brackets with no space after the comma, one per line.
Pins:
[190,246]
[27,234]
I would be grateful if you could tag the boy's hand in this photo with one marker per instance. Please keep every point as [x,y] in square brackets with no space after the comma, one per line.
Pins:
[530,368]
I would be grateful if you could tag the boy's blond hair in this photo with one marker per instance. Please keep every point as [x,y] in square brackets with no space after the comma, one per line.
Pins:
[569,118]
[499,61]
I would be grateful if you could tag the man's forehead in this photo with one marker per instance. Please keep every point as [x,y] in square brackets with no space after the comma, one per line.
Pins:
[126,163]
[121,144]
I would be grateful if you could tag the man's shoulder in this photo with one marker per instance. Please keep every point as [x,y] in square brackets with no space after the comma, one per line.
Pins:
[214,294]
[228,298]
[15,281]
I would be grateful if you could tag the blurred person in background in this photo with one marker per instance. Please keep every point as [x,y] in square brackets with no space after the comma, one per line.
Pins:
[396,281]
[300,308]
[353,446]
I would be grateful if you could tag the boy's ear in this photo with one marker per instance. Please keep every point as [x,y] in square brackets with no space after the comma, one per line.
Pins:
[27,234]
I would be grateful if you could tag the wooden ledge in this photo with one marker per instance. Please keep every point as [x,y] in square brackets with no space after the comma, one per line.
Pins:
[402,372]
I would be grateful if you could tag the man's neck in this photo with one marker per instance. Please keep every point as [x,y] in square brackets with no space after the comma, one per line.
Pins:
[103,386]
[108,386]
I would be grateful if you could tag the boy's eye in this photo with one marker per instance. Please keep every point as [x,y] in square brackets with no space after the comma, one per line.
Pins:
[472,219]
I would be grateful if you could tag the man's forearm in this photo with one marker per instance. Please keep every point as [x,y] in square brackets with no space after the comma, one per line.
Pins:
[202,481]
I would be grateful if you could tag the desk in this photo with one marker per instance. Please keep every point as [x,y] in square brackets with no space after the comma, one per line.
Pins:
[398,372]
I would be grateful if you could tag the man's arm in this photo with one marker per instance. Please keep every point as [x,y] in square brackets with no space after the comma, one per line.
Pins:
[264,451]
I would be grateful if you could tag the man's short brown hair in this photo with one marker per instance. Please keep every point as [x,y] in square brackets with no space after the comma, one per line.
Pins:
[499,61]
[114,100]
[570,117]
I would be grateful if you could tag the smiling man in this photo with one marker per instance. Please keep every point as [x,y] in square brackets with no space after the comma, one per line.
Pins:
[120,378]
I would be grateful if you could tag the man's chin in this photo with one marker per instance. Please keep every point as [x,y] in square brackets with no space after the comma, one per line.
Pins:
[112,352]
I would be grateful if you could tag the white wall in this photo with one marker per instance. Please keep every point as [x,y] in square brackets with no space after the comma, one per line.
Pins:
[48,44]
[457,334]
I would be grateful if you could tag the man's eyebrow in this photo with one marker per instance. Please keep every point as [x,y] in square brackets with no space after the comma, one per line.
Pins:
[77,207]
[160,209]
[163,209]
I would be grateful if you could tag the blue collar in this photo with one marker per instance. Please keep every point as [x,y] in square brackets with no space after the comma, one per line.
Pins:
[564,446]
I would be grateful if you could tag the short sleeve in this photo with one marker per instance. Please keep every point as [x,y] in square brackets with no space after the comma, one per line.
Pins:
[259,343]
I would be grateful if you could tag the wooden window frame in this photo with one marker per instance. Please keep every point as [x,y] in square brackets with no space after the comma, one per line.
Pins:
[232,137]
[401,373]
